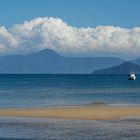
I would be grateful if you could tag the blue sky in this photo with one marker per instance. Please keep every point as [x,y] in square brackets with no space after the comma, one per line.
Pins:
[79,13]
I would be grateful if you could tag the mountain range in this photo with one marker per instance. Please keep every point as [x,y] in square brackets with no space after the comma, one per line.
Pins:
[124,68]
[49,62]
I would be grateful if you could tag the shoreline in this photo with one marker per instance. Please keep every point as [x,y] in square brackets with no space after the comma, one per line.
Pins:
[96,112]
[73,106]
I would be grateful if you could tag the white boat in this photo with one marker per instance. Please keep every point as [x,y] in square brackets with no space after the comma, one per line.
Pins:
[132,76]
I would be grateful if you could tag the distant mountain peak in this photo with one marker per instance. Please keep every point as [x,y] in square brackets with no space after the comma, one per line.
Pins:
[124,68]
[129,65]
[46,52]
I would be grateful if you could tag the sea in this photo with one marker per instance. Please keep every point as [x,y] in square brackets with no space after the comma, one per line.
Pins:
[59,90]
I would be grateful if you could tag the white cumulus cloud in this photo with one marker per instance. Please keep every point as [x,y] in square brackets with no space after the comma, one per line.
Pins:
[55,34]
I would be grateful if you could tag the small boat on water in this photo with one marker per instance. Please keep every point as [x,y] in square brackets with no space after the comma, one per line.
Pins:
[132,76]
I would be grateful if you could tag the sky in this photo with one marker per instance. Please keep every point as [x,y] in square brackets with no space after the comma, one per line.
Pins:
[79,13]
[71,27]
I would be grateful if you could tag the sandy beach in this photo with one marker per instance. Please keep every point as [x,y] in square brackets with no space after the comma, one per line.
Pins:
[83,112]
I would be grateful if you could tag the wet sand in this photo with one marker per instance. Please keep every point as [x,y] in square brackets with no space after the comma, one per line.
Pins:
[83,112]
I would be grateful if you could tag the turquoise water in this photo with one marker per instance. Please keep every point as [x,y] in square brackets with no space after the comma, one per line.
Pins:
[61,90]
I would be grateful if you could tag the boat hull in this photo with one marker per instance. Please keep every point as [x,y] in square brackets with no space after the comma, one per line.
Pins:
[132,77]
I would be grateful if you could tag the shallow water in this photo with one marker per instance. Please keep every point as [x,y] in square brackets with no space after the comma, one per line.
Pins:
[60,129]
[58,90]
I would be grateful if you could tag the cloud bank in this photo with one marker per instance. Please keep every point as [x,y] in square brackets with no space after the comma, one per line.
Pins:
[55,34]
